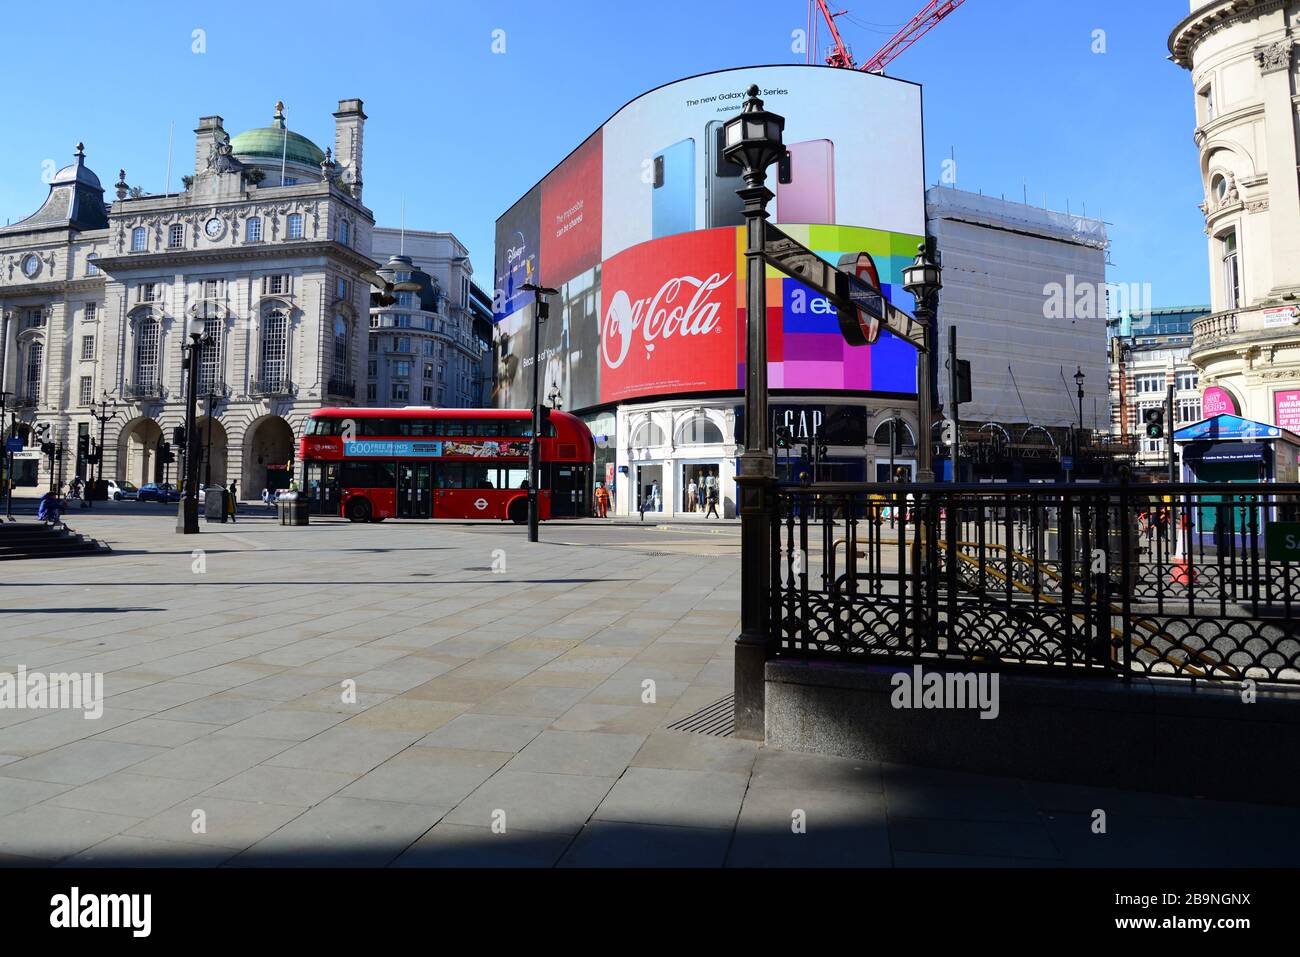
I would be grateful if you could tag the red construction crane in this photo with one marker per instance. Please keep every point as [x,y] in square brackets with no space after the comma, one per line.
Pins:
[917,27]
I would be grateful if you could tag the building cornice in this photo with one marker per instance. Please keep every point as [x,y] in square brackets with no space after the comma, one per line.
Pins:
[51,288]
[266,252]
[1211,19]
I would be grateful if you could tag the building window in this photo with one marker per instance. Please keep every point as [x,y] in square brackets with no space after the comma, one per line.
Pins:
[1188,381]
[253,230]
[402,344]
[372,345]
[371,393]
[342,289]
[139,239]
[85,391]
[35,354]
[344,231]
[212,289]
[406,299]
[428,370]
[210,356]
[426,395]
[273,364]
[699,431]
[279,285]
[92,312]
[1149,383]
[290,181]
[146,352]
[148,292]
[403,320]
[1187,410]
[175,236]
[295,226]
[91,268]
[1207,103]
[1231,270]
[401,392]
[342,352]
[402,368]
[428,347]
[87,347]
[372,368]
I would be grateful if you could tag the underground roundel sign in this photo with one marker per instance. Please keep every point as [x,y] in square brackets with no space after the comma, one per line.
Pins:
[480,504]
[861,327]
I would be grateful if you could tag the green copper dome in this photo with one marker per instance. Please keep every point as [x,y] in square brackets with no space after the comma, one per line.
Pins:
[276,141]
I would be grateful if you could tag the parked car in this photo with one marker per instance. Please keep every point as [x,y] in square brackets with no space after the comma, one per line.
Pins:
[121,491]
[159,492]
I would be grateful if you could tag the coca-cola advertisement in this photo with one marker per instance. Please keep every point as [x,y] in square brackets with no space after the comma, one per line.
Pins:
[668,321]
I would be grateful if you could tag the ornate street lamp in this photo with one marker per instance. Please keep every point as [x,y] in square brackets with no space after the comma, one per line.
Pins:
[187,512]
[752,140]
[923,279]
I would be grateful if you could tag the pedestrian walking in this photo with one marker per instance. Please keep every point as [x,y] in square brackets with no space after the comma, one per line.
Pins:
[230,501]
[644,502]
[713,503]
[602,501]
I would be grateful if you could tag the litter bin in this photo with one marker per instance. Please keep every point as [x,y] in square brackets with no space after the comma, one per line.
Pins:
[294,508]
[214,503]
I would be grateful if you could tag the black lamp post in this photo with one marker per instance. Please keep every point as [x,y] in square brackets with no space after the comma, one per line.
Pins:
[8,433]
[1078,436]
[923,279]
[752,140]
[187,512]
[541,312]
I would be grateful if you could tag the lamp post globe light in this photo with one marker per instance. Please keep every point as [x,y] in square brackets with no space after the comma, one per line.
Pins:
[923,279]
[187,511]
[752,140]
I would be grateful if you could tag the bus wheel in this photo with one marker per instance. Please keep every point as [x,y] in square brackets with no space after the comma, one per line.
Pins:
[519,511]
[358,510]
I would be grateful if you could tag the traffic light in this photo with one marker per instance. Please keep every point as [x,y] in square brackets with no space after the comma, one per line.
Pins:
[178,436]
[165,454]
[1155,422]
[83,447]
[963,381]
[48,448]
[784,438]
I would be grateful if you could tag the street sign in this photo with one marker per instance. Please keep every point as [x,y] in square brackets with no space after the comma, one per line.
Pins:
[1067,462]
[862,308]
[1282,541]
[13,444]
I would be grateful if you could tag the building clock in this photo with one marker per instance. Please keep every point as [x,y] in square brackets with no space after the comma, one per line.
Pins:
[31,265]
[213,228]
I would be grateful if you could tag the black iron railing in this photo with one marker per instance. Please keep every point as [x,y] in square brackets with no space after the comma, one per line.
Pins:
[279,386]
[150,390]
[343,388]
[1164,580]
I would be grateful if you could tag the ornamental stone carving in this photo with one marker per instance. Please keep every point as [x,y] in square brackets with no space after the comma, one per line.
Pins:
[1275,57]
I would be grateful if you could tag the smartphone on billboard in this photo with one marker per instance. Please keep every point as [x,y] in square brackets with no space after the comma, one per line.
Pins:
[673,202]
[805,183]
[722,206]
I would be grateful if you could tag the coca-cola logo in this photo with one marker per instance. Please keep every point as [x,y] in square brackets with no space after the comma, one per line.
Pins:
[666,314]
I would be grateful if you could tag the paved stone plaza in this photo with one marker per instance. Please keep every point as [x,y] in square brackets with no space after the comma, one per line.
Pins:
[483,699]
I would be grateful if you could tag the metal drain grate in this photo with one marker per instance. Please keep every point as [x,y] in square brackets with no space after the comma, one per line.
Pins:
[718,719]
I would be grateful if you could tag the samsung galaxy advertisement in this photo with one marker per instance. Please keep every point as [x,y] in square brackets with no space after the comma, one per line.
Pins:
[639,230]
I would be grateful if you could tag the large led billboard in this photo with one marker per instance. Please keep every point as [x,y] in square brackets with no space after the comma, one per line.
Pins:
[639,229]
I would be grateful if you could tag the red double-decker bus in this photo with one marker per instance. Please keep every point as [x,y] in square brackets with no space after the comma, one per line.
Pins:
[371,464]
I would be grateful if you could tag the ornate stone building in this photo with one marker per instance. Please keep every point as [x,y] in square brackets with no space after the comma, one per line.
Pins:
[1241,54]
[268,244]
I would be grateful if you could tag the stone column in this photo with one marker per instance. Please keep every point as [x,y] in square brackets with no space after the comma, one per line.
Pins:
[1283,186]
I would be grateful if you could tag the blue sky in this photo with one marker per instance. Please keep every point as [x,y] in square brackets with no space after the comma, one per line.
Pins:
[1012,89]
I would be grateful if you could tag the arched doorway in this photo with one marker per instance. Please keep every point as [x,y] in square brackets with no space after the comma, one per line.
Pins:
[268,456]
[137,452]
[214,446]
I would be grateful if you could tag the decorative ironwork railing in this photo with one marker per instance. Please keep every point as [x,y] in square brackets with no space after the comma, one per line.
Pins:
[280,386]
[150,390]
[339,387]
[1169,580]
